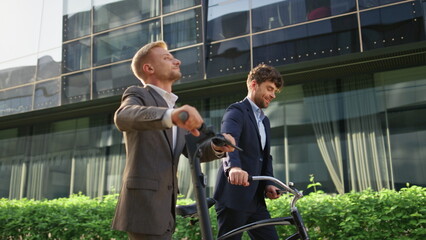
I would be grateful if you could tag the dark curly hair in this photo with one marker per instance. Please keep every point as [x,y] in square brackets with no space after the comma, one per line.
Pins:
[263,72]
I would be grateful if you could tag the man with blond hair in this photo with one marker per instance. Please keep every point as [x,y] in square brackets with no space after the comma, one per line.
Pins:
[155,138]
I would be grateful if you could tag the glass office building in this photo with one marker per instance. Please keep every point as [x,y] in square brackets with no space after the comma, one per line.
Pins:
[352,111]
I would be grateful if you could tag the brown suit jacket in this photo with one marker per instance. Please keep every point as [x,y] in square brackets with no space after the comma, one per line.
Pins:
[149,186]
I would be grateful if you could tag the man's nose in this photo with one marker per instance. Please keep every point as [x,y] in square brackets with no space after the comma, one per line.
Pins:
[177,62]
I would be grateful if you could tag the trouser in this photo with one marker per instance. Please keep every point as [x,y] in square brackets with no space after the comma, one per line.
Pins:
[229,219]
[140,236]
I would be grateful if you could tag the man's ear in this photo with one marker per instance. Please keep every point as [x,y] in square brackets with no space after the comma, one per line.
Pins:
[252,84]
[147,68]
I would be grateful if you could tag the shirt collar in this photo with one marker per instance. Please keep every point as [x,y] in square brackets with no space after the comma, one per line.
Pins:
[170,98]
[257,111]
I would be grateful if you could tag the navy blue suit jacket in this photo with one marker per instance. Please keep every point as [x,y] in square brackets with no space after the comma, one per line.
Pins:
[240,121]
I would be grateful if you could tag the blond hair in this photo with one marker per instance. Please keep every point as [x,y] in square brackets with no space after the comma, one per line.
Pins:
[140,56]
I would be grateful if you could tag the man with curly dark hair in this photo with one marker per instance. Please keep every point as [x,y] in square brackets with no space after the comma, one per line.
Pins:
[238,201]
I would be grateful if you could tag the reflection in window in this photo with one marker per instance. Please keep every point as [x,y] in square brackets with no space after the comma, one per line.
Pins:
[70,156]
[16,100]
[108,14]
[321,39]
[363,4]
[48,176]
[183,29]
[76,55]
[5,176]
[228,57]
[76,19]
[174,5]
[192,64]
[47,94]
[76,88]
[124,43]
[49,64]
[113,80]
[226,19]
[18,72]
[391,26]
[277,13]
[406,102]
[13,154]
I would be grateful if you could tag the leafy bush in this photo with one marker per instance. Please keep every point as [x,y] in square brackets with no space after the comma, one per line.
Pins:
[369,214]
[77,217]
[386,214]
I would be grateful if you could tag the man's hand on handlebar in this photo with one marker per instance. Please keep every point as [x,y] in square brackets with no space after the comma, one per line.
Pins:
[223,147]
[192,122]
[272,192]
[237,176]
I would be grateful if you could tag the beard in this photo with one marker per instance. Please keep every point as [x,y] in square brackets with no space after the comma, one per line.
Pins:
[261,103]
[175,76]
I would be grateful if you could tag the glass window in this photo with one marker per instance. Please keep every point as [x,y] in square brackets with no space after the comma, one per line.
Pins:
[424,15]
[49,64]
[113,80]
[16,100]
[406,102]
[331,37]
[108,14]
[76,88]
[76,55]
[183,29]
[5,176]
[191,64]
[301,156]
[228,57]
[122,44]
[277,13]
[17,72]
[363,4]
[174,5]
[76,18]
[13,152]
[47,94]
[8,142]
[48,176]
[88,147]
[226,19]
[392,25]
[51,25]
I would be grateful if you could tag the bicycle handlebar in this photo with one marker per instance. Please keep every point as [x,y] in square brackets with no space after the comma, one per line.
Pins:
[217,139]
[288,188]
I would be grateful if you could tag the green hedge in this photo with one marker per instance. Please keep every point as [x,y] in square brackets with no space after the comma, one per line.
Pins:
[364,215]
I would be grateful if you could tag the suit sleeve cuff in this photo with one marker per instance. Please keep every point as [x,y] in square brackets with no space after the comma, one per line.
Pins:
[219,154]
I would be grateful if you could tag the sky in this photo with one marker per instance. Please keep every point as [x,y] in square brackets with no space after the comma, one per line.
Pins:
[22,34]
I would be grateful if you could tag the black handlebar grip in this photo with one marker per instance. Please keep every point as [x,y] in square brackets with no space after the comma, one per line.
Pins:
[183,116]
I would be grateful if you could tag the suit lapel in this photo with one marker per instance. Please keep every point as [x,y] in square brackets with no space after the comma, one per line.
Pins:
[252,119]
[160,102]
[267,125]
[179,142]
